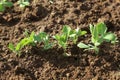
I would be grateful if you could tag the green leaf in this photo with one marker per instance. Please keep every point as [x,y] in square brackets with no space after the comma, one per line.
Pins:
[64,38]
[82,45]
[97,43]
[57,37]
[32,36]
[48,46]
[66,30]
[79,32]
[95,34]
[83,33]
[98,32]
[8,4]
[101,28]
[65,33]
[61,40]
[91,28]
[22,43]
[72,35]
[62,44]
[110,37]
[11,47]
[43,34]
[46,38]
[93,31]
[37,38]
[2,8]
[40,37]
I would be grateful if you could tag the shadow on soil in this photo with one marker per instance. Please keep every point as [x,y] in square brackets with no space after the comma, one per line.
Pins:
[82,59]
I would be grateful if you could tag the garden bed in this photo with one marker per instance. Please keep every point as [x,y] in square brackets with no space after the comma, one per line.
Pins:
[37,64]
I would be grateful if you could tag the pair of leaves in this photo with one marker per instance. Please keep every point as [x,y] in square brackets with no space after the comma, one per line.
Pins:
[99,34]
[4,4]
[62,39]
[98,31]
[67,34]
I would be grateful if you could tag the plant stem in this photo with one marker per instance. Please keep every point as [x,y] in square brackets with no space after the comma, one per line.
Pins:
[96,49]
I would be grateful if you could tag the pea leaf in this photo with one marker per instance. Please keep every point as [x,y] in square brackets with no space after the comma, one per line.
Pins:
[8,4]
[83,33]
[22,43]
[110,37]
[11,47]
[2,8]
[82,45]
[101,28]
[66,30]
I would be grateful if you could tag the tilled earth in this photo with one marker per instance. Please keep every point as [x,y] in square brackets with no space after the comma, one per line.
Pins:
[36,64]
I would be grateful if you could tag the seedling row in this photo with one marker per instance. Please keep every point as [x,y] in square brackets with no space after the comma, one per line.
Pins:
[98,34]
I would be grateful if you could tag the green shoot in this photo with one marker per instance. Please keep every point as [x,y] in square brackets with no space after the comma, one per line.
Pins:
[43,37]
[4,4]
[68,34]
[99,35]
[31,39]
[25,41]
[63,38]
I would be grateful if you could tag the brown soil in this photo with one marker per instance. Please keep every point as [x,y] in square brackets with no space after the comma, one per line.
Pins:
[51,65]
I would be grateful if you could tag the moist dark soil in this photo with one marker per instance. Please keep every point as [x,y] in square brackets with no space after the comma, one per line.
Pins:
[37,64]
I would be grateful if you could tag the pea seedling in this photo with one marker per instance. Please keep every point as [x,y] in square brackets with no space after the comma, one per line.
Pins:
[99,35]
[31,39]
[4,4]
[63,38]
[43,37]
[68,34]
[25,41]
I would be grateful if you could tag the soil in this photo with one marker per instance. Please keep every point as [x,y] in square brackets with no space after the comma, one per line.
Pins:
[42,15]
